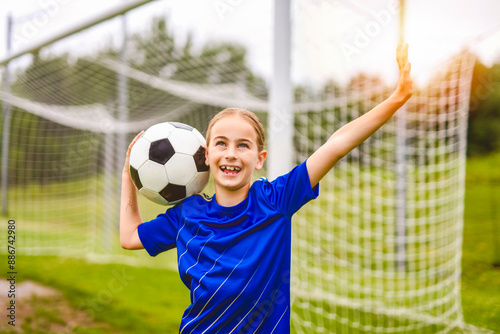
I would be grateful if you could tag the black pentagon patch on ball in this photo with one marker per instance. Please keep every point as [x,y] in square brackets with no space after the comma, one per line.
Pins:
[173,192]
[134,174]
[161,151]
[182,126]
[199,160]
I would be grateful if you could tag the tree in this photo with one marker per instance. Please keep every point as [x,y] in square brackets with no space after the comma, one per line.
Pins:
[484,117]
[42,150]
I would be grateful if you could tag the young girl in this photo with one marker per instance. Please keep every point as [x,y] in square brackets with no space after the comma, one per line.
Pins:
[233,249]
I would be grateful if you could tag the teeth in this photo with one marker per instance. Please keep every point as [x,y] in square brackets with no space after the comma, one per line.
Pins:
[230,168]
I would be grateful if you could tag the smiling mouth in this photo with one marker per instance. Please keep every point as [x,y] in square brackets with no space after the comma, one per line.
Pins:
[230,170]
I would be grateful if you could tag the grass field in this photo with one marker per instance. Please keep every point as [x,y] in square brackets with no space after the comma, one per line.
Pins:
[481,251]
[115,298]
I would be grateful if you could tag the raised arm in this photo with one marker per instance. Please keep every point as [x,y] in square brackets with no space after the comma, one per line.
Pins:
[130,217]
[354,133]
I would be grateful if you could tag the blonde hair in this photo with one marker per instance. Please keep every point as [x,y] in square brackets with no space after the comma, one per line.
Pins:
[249,116]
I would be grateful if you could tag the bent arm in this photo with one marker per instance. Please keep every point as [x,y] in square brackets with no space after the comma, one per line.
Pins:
[356,132]
[130,217]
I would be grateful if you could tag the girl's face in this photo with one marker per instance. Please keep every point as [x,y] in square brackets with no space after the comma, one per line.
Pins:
[232,154]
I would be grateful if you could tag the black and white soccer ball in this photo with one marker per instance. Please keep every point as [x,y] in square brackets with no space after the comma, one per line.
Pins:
[167,163]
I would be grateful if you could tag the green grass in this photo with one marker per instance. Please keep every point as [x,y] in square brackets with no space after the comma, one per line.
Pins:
[134,299]
[481,251]
[129,299]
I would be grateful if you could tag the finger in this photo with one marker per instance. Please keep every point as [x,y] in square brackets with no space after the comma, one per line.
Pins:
[400,61]
[405,52]
[402,55]
[408,67]
[399,55]
[405,77]
[134,141]
[138,135]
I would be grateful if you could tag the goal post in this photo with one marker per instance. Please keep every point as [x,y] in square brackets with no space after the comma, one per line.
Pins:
[280,116]
[6,113]
[401,163]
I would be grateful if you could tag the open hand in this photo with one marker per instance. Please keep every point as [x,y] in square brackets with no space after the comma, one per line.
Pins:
[127,159]
[404,88]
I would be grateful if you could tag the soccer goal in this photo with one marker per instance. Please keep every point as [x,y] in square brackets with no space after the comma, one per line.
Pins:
[378,252]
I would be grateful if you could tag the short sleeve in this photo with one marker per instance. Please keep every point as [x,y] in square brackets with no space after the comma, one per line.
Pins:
[159,235]
[289,192]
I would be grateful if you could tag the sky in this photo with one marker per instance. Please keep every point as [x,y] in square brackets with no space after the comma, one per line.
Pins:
[330,38]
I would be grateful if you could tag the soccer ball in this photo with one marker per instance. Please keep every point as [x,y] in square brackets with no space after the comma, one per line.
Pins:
[167,163]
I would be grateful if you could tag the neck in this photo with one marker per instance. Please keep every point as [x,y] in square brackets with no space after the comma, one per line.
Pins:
[225,197]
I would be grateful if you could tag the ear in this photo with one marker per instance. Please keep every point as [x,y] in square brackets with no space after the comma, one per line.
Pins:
[261,159]
[206,155]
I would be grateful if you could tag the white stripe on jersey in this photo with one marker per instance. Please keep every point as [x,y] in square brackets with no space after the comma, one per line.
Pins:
[199,283]
[255,304]
[187,243]
[179,232]
[198,259]
[227,308]
[201,311]
[279,320]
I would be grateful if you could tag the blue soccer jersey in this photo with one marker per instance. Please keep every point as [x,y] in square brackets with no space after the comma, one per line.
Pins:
[235,260]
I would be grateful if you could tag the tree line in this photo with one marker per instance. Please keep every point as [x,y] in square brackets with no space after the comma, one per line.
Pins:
[37,151]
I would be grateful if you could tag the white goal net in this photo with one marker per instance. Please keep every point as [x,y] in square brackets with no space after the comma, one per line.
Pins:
[378,252]
[355,270]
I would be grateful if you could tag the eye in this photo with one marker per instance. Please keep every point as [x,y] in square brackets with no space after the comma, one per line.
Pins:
[243,145]
[220,143]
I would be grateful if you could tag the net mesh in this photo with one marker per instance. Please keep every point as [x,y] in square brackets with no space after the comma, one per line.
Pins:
[71,112]
[346,259]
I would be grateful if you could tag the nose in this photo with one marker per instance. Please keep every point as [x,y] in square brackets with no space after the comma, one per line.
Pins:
[230,154]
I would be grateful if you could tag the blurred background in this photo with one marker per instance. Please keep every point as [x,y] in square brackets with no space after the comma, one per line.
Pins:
[405,237]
